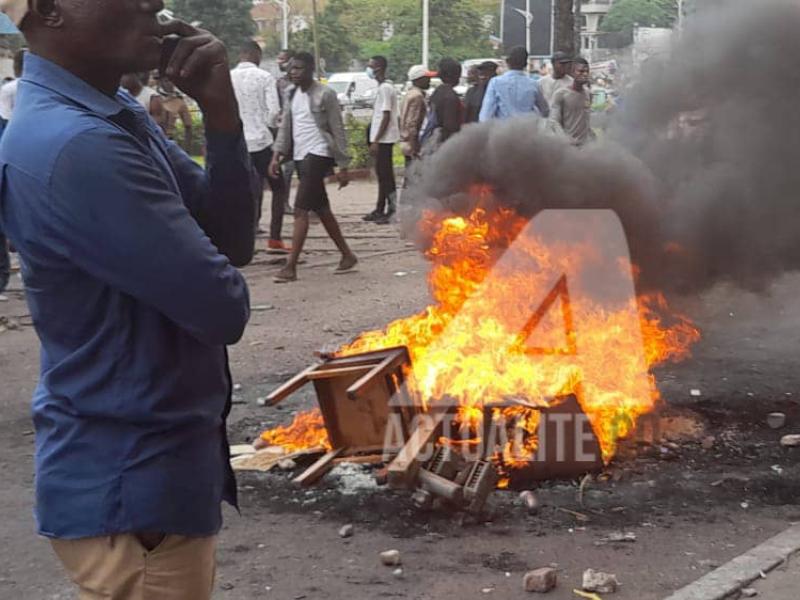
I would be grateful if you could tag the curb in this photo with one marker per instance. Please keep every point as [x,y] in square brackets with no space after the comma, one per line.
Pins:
[743,570]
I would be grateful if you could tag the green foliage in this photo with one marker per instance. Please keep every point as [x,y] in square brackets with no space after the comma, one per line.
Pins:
[357,142]
[198,143]
[229,20]
[624,14]
[357,29]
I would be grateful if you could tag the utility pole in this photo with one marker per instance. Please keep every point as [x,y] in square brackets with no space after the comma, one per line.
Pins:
[316,36]
[680,17]
[528,23]
[426,32]
[285,8]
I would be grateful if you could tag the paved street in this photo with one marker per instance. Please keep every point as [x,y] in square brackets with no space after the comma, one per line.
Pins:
[690,510]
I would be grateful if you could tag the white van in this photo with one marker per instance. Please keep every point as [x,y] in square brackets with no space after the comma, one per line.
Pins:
[354,89]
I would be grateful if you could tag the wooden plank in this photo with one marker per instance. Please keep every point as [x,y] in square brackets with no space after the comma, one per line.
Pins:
[392,362]
[319,469]
[369,459]
[404,468]
[337,372]
[290,387]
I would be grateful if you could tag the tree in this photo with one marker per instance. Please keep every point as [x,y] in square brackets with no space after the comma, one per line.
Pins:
[624,14]
[566,38]
[358,29]
[229,20]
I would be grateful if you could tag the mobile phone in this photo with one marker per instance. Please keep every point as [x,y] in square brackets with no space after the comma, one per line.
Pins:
[168,46]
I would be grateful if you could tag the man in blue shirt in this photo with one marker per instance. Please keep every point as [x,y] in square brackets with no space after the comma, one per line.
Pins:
[128,251]
[513,93]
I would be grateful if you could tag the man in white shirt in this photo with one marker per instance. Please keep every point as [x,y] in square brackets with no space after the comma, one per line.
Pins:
[384,133]
[8,93]
[150,99]
[559,79]
[260,109]
[312,134]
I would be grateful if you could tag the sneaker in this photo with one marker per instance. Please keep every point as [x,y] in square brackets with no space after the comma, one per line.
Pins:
[373,216]
[277,247]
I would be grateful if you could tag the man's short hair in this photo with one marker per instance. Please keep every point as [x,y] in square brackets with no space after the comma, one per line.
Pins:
[488,66]
[580,61]
[449,69]
[306,58]
[381,60]
[561,57]
[518,58]
[250,48]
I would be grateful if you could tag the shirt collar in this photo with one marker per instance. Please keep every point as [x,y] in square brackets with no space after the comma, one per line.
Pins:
[247,65]
[49,75]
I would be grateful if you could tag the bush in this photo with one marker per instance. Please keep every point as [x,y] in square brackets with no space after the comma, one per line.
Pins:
[197,147]
[357,142]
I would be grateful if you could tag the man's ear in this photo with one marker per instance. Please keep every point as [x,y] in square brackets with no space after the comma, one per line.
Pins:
[48,12]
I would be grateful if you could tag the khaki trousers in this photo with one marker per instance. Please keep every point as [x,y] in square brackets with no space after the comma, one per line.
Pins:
[120,568]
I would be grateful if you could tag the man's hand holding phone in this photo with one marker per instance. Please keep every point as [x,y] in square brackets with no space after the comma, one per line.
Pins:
[197,62]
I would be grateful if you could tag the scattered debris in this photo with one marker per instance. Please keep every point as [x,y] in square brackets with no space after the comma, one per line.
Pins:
[777,469]
[237,387]
[391,558]
[708,564]
[287,464]
[3,298]
[586,595]
[398,572]
[401,274]
[346,531]
[616,537]
[226,587]
[597,581]
[531,502]
[242,450]
[262,308]
[776,420]
[579,516]
[540,581]
[354,479]
[790,441]
[708,442]
[695,393]
[749,593]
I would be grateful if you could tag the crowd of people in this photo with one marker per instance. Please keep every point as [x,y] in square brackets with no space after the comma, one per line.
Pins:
[131,254]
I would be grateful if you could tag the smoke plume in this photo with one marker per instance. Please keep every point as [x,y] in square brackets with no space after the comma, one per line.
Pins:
[701,161]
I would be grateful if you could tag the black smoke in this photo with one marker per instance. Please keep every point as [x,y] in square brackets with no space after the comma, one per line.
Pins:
[702,161]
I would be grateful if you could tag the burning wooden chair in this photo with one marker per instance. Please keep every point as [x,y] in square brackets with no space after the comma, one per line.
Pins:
[357,395]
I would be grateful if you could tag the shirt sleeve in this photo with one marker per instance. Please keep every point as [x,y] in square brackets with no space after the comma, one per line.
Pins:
[124,225]
[489,108]
[273,102]
[557,113]
[223,197]
[539,102]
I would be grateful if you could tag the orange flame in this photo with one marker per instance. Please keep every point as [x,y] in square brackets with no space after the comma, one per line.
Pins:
[464,346]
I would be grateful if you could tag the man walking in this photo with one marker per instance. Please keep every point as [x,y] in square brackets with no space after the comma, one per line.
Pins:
[415,109]
[473,101]
[559,79]
[572,107]
[513,93]
[384,133]
[260,109]
[128,250]
[312,133]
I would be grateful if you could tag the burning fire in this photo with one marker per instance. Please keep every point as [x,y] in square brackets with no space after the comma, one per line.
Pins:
[469,344]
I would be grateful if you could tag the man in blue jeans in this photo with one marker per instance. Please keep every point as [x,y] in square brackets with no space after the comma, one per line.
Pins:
[128,255]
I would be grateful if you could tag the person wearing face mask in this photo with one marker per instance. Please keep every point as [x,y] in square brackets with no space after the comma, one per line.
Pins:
[384,133]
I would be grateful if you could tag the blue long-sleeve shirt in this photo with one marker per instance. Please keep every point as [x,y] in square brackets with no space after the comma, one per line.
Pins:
[512,93]
[126,248]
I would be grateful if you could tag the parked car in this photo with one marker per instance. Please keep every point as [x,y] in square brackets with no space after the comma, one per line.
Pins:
[354,89]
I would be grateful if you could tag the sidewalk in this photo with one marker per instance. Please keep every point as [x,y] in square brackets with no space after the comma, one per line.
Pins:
[782,584]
